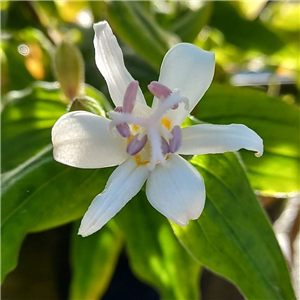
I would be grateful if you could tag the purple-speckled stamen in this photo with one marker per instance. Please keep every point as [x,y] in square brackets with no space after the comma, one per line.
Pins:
[165,146]
[130,96]
[123,129]
[159,90]
[175,141]
[136,145]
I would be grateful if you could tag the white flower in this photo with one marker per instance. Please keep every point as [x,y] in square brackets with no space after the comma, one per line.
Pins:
[145,142]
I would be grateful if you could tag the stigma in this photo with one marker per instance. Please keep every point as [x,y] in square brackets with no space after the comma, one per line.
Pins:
[151,138]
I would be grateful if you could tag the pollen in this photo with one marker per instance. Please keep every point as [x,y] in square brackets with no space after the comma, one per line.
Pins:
[139,162]
[135,128]
[166,122]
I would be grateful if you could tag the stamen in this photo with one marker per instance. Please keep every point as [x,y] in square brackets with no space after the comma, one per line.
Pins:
[165,146]
[175,142]
[159,90]
[124,130]
[136,145]
[130,97]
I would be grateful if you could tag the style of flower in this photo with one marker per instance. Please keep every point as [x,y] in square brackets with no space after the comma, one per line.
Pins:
[146,141]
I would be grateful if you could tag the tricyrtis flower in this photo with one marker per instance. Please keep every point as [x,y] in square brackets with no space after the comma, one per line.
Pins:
[146,141]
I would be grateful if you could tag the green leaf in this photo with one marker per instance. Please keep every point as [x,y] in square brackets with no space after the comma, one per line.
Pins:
[94,259]
[233,237]
[274,120]
[135,26]
[188,26]
[41,194]
[156,256]
[244,33]
[27,119]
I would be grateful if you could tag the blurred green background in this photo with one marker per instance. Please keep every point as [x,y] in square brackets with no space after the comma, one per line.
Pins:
[256,44]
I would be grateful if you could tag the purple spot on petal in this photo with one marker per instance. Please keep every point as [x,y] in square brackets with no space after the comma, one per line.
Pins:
[136,145]
[175,142]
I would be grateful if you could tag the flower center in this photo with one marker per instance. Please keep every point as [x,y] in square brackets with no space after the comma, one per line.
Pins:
[150,134]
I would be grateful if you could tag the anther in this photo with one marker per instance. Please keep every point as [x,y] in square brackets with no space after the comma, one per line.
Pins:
[123,128]
[175,141]
[136,145]
[159,90]
[130,97]
[165,146]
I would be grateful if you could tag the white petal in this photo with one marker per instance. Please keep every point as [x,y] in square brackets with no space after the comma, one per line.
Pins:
[207,138]
[81,139]
[124,183]
[176,190]
[190,69]
[110,62]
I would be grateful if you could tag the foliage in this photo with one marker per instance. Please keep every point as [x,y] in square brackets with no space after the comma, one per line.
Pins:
[233,236]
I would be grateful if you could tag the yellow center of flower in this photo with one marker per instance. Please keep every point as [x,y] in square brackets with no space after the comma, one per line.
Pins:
[166,122]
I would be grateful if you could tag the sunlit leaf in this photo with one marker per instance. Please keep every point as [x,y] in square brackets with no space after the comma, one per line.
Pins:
[233,237]
[275,121]
[155,254]
[244,33]
[93,261]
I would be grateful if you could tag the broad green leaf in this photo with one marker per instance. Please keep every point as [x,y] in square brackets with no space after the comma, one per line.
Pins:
[94,259]
[188,26]
[244,33]
[233,237]
[274,120]
[155,254]
[135,26]
[41,194]
[27,118]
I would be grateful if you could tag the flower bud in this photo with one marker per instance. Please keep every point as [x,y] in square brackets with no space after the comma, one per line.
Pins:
[86,103]
[69,69]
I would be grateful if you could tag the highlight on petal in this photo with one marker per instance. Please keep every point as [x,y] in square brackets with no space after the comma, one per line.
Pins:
[124,183]
[110,62]
[207,138]
[176,190]
[189,69]
[81,139]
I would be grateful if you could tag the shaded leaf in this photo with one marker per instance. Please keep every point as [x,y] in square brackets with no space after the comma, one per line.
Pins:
[188,26]
[233,237]
[93,261]
[155,254]
[137,28]
[41,194]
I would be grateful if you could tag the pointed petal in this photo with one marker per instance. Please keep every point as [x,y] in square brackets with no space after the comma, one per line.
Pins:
[110,62]
[207,138]
[190,69]
[81,139]
[177,190]
[124,183]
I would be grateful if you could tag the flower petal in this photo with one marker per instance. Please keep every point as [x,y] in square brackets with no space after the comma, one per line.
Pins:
[190,69]
[124,183]
[177,190]
[81,139]
[110,62]
[207,138]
